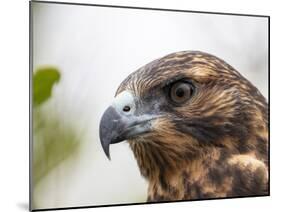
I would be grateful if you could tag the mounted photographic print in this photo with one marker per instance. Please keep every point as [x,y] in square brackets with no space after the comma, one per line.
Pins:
[143,105]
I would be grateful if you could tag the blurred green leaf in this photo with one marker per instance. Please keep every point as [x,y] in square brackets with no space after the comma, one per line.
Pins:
[54,142]
[54,139]
[43,82]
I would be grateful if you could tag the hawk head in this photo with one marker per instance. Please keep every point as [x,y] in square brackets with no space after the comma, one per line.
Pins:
[175,109]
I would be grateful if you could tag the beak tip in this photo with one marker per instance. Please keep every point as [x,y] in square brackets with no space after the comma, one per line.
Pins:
[107,129]
[105,148]
[107,154]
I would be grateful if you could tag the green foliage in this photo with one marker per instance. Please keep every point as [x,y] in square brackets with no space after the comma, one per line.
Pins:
[43,81]
[54,139]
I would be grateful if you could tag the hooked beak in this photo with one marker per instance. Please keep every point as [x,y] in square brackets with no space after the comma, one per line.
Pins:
[116,126]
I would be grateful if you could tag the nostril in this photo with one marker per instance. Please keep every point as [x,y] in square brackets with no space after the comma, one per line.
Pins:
[126,108]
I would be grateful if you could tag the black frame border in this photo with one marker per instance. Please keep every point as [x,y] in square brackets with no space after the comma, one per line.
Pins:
[137,8]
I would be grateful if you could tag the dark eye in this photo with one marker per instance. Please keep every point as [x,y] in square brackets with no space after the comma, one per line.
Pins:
[180,92]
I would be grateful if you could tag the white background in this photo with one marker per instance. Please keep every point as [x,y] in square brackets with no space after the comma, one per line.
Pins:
[14,105]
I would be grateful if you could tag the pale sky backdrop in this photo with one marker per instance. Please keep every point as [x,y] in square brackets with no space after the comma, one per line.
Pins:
[95,48]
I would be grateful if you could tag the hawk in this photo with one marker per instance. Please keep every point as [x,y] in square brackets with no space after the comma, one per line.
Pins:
[198,129]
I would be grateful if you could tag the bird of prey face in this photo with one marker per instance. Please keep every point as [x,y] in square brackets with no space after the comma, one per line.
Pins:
[198,129]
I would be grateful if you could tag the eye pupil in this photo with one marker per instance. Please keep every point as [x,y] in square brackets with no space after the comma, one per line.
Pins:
[180,92]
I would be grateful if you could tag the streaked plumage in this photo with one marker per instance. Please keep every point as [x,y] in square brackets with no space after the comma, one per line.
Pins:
[214,144]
